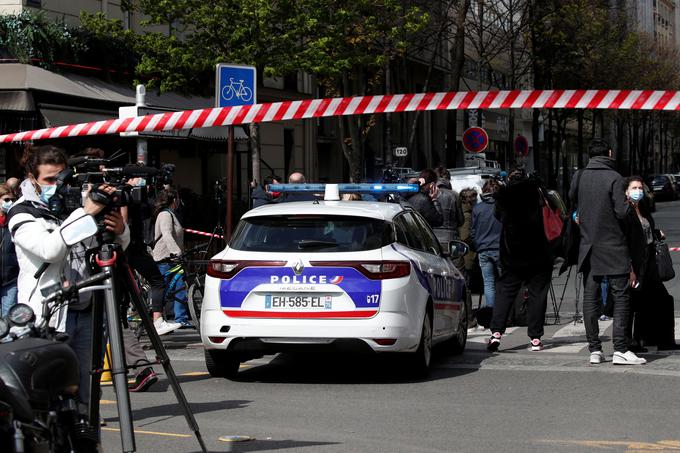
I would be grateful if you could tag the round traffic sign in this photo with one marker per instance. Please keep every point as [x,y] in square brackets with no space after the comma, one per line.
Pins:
[475,140]
[521,145]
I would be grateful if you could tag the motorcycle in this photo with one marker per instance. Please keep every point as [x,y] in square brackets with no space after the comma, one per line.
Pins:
[40,411]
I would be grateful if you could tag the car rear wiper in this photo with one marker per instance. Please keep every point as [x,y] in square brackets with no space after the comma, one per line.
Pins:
[310,243]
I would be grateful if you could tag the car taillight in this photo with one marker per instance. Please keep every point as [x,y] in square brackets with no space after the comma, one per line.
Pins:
[227,269]
[375,270]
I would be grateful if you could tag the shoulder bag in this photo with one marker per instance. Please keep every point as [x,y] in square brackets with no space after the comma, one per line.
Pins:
[664,262]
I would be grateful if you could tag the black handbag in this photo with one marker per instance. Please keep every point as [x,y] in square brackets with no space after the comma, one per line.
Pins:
[664,262]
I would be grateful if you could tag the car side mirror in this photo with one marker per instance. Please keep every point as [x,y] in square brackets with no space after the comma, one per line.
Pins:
[458,249]
[78,230]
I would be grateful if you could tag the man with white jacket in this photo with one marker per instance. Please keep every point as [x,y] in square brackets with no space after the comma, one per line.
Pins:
[45,259]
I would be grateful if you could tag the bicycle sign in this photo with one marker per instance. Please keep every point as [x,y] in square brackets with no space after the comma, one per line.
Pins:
[235,85]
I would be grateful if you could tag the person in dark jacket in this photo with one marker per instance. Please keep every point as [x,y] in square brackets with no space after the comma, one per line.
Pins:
[604,251]
[452,212]
[9,267]
[652,320]
[261,195]
[297,178]
[486,236]
[425,200]
[525,256]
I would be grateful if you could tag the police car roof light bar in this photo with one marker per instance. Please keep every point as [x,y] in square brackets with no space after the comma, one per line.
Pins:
[347,188]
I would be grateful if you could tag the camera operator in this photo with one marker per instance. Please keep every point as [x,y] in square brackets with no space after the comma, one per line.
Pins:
[45,259]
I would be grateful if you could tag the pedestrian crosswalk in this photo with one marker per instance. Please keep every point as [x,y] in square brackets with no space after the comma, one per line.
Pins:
[569,338]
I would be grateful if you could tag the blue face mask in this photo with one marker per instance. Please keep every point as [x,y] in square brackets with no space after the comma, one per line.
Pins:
[46,192]
[636,195]
[5,205]
[141,182]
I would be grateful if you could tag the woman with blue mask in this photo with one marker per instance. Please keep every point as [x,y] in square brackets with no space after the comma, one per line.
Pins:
[9,267]
[653,320]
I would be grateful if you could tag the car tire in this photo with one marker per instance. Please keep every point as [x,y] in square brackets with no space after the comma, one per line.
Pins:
[456,345]
[422,358]
[195,301]
[221,363]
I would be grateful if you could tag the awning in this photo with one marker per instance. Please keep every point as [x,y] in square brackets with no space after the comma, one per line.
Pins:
[16,100]
[55,117]
[23,77]
[218,133]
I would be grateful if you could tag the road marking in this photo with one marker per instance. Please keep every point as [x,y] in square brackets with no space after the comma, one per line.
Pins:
[107,402]
[152,433]
[571,348]
[195,373]
[579,329]
[632,446]
[483,336]
[606,368]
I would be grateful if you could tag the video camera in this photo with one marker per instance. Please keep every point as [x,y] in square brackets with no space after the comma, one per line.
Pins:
[84,172]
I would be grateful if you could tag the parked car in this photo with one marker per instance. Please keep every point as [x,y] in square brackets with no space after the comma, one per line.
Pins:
[676,176]
[663,186]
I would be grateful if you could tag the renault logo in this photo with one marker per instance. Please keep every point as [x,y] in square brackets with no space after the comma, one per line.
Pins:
[298,267]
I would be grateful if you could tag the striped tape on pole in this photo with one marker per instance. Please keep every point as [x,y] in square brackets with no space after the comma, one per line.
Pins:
[317,108]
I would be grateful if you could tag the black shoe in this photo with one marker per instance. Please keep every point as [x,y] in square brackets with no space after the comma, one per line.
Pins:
[145,379]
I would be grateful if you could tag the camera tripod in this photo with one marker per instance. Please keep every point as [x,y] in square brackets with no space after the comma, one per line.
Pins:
[111,260]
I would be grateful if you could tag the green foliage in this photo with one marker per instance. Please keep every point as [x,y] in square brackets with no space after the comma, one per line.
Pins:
[31,37]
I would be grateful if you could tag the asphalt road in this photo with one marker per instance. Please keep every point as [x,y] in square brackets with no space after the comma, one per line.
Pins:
[511,401]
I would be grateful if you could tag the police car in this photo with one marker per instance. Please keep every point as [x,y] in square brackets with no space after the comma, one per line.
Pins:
[343,275]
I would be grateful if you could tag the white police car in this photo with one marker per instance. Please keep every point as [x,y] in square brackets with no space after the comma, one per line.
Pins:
[357,275]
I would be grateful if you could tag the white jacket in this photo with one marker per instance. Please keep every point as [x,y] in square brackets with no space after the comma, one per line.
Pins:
[36,233]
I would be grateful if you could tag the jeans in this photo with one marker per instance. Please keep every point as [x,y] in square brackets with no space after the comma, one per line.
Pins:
[509,284]
[619,293]
[491,268]
[140,260]
[174,284]
[8,294]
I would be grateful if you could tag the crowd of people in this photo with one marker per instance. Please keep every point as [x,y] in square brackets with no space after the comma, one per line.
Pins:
[33,255]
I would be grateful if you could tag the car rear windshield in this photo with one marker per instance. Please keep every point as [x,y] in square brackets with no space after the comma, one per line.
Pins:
[311,234]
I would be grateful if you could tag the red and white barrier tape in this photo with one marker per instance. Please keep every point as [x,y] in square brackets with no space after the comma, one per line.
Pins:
[202,233]
[316,108]
[674,249]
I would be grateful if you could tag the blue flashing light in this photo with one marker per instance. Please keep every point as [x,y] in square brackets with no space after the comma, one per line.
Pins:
[347,188]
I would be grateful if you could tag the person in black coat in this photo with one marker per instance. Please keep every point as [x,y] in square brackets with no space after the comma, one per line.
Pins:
[653,318]
[525,256]
[425,200]
[261,196]
[603,252]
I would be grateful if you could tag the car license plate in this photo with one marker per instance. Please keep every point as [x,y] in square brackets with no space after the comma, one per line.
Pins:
[298,302]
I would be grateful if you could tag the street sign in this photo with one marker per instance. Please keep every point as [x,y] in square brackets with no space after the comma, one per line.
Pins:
[521,145]
[235,85]
[475,140]
[401,151]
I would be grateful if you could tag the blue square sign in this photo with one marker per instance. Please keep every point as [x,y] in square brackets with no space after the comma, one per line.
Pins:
[235,85]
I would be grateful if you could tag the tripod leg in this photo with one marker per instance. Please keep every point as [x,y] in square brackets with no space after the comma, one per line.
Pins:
[118,368]
[161,355]
[96,364]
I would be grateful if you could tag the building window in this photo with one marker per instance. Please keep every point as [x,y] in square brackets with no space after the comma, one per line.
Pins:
[34,3]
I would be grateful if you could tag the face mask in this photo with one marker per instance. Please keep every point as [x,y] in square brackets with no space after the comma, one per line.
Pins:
[5,205]
[636,195]
[46,192]
[141,182]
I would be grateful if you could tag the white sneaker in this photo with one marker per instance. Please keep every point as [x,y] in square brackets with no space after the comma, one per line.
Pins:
[596,357]
[627,358]
[163,327]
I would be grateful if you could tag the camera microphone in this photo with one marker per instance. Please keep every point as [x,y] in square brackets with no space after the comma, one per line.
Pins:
[76,161]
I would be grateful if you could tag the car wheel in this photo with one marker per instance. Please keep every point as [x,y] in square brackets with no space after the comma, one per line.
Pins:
[195,299]
[457,343]
[221,363]
[422,358]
